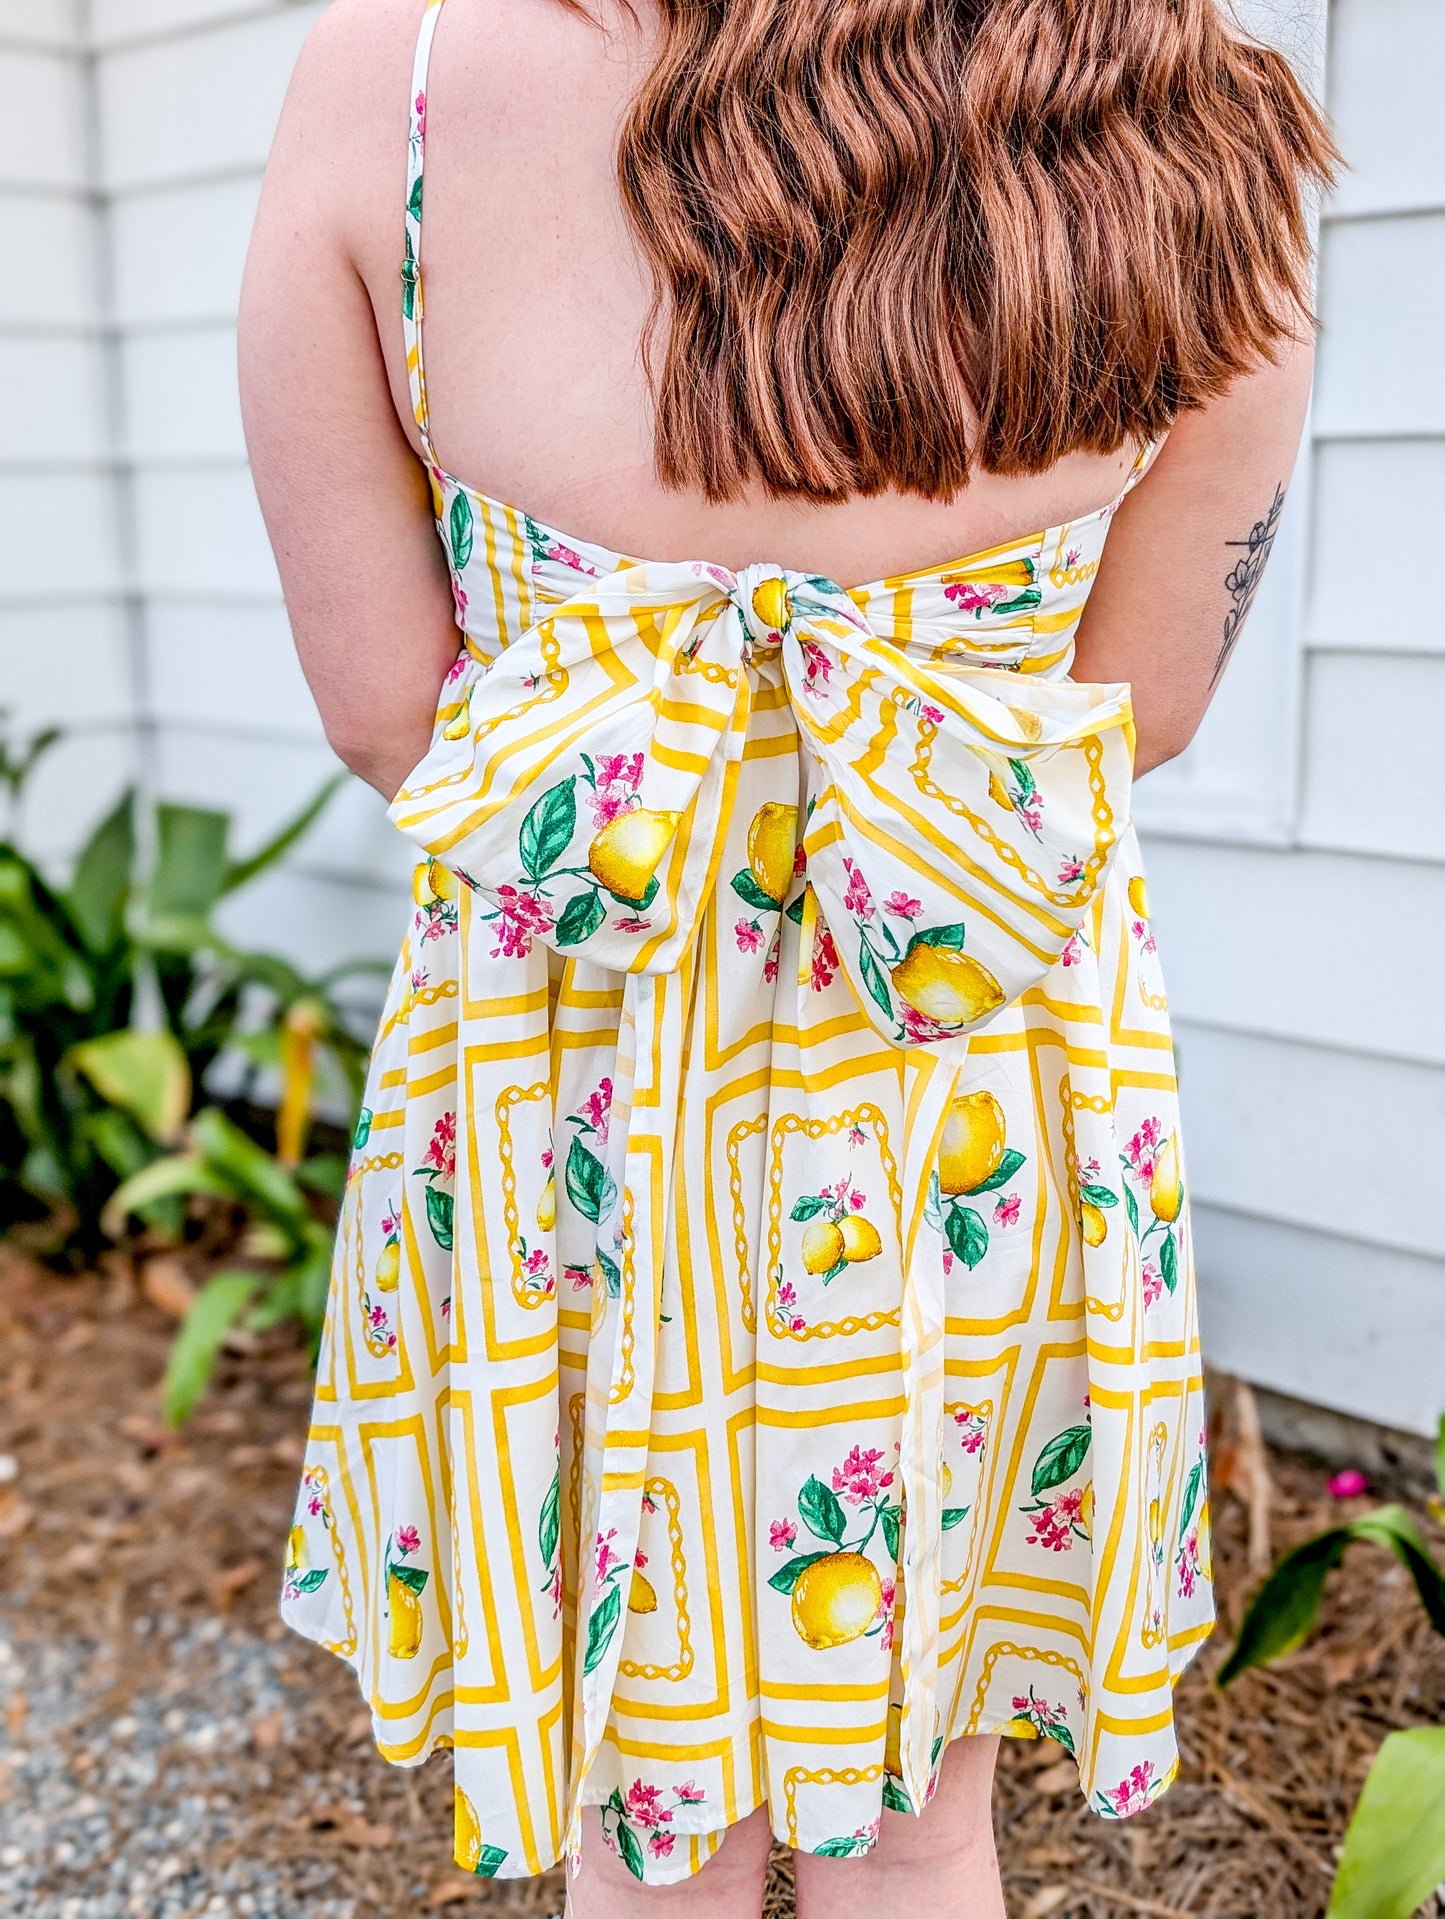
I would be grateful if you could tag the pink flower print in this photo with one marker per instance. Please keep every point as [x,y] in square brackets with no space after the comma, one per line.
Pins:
[388,1225]
[1021,1702]
[547,1160]
[972,1430]
[1153,1283]
[856,1136]
[800,860]
[770,964]
[377,1316]
[565,556]
[632,925]
[1147,942]
[660,1844]
[446,1307]
[520,916]
[606,1559]
[903,906]
[596,1109]
[857,1201]
[554,1592]
[934,715]
[1054,1522]
[1032,815]
[644,1804]
[421,117]
[857,899]
[441,1152]
[825,957]
[860,1476]
[689,1793]
[749,936]
[458,667]
[1073,953]
[817,668]
[1188,1564]
[781,1535]
[620,769]
[459,595]
[1071,558]
[580,1276]
[408,1539]
[1070,870]
[787,1297]
[920,1030]
[1131,1795]
[313,1505]
[885,1613]
[969,597]
[1141,1150]
[1006,1210]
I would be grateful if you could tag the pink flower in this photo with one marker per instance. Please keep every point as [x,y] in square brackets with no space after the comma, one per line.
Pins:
[459,595]
[660,1844]
[971,598]
[972,1430]
[1153,1283]
[441,1152]
[787,1297]
[536,1261]
[934,715]
[606,1559]
[689,1793]
[408,1539]
[903,906]
[920,1030]
[1006,1210]
[885,1613]
[520,916]
[860,1477]
[644,1805]
[797,1324]
[313,1505]
[857,899]
[781,1535]
[825,957]
[554,1591]
[1054,1523]
[377,1316]
[1073,952]
[547,1160]
[1032,815]
[857,1201]
[817,668]
[596,1109]
[1349,1484]
[459,664]
[1071,558]
[580,1276]
[856,1136]
[1140,1150]
[1070,870]
[749,936]
[770,964]
[632,925]
[421,117]
[1131,1795]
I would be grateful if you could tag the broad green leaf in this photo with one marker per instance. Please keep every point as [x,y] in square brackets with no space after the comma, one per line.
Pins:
[601,1626]
[1023,602]
[580,919]
[891,1520]
[549,1520]
[547,830]
[1064,1737]
[259,1176]
[490,1857]
[838,1266]
[822,1511]
[145,1074]
[176,1177]
[751,894]
[966,1234]
[875,980]
[1169,1262]
[1192,1487]
[413,205]
[414,1578]
[954,1516]
[123,1147]
[323,1173]
[190,864]
[590,1186]
[841,1848]
[643,901]
[1021,772]
[460,522]
[1007,1167]
[308,1582]
[1392,1526]
[792,1570]
[795,910]
[950,936]
[363,1128]
[611,1274]
[1061,1458]
[213,1312]
[1098,1195]
[313,1280]
[1283,1610]
[808,1207]
[629,1847]
[101,881]
[281,842]
[895,1795]
[933,1205]
[441,1216]
[1393,1857]
[1131,1207]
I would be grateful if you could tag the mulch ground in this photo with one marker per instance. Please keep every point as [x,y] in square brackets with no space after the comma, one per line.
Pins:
[166,1748]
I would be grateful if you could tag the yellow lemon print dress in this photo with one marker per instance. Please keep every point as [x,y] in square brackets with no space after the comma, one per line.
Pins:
[761,1344]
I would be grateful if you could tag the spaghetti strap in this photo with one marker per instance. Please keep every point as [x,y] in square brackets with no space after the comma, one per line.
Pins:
[1147,455]
[411,283]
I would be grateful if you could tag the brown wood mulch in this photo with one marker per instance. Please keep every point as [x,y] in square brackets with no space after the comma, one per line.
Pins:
[109,1520]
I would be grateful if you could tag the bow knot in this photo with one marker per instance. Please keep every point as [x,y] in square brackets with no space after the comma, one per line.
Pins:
[764,600]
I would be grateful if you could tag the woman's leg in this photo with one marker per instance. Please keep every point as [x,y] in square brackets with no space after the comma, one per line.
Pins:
[730,1885]
[940,1866]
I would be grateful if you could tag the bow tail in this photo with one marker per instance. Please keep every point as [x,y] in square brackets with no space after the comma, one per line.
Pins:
[633,1237]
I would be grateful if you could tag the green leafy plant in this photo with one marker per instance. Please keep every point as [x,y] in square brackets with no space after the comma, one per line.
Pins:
[1393,1856]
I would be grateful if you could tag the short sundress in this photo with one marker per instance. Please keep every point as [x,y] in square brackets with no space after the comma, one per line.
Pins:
[761,1345]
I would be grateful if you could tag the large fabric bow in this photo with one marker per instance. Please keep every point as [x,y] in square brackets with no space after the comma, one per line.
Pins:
[955,823]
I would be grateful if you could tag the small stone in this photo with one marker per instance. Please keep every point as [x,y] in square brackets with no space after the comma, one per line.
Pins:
[174,1721]
[12,1856]
[9,1468]
[126,1727]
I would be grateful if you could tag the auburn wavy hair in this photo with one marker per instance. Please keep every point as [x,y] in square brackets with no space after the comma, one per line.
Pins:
[892,240]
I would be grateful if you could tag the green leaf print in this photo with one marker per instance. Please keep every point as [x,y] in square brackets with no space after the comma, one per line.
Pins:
[549,1520]
[308,1582]
[891,1520]
[1064,1737]
[1061,1458]
[933,1205]
[590,1187]
[788,1575]
[1169,1262]
[822,1511]
[1007,1167]
[601,1626]
[581,917]
[440,1215]
[488,1860]
[808,1207]
[1020,771]
[966,1234]
[795,911]
[611,1274]
[1131,1207]
[630,1847]
[414,1578]
[363,1129]
[1191,1496]
[460,523]
[1098,1196]
[1023,602]
[895,1796]
[875,979]
[954,1516]
[547,830]
[413,205]
[842,1848]
[751,894]
[950,936]
[644,899]
[408,282]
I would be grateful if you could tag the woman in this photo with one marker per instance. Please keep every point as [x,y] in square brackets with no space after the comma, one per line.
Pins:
[761,1364]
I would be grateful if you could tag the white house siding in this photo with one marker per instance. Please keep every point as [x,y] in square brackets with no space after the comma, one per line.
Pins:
[1297,852]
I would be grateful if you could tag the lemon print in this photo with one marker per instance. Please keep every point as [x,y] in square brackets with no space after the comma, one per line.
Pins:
[547,1206]
[642,1597]
[388,1267]
[998,793]
[626,853]
[772,604]
[1001,573]
[432,881]
[296,1558]
[1156,1522]
[1092,1223]
[466,1831]
[406,1619]
[972,1147]
[946,985]
[947,1481]
[893,1741]
[772,843]
[836,1599]
[1086,1509]
[1029,724]
[860,1238]
[1139,896]
[822,1246]
[460,725]
[1206,1542]
[1166,1193]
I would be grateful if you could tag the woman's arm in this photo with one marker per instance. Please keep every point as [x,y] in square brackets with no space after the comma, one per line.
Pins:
[346,502]
[1186,551]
